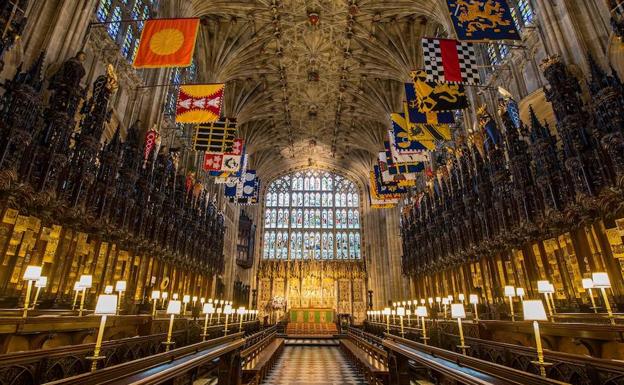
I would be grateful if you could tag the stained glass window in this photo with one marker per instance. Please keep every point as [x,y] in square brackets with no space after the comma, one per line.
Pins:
[312,214]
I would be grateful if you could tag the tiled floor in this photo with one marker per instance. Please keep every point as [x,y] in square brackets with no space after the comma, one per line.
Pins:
[313,365]
[312,341]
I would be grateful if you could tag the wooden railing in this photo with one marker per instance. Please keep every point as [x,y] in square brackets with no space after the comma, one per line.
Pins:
[443,366]
[176,364]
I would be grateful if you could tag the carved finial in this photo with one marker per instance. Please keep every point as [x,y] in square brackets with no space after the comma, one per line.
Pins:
[549,61]
[111,76]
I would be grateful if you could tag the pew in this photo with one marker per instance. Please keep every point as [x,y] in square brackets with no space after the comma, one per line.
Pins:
[259,355]
[181,364]
[366,352]
[445,365]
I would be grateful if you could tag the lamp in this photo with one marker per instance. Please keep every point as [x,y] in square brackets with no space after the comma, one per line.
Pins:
[450,298]
[438,300]
[588,284]
[421,311]
[401,313]
[543,287]
[86,281]
[445,302]
[208,311]
[386,312]
[520,293]
[164,296]
[120,287]
[175,296]
[106,305]
[227,310]
[474,300]
[194,299]
[185,300]
[458,312]
[77,288]
[461,297]
[155,298]
[430,301]
[31,274]
[534,311]
[108,289]
[510,292]
[422,302]
[173,308]
[241,313]
[41,283]
[602,282]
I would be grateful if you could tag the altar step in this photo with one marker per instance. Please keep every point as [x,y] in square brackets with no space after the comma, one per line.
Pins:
[324,341]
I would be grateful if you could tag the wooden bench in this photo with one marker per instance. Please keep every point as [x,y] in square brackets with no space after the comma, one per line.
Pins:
[371,360]
[260,357]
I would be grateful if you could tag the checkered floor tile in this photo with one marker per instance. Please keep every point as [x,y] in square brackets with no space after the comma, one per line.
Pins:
[313,365]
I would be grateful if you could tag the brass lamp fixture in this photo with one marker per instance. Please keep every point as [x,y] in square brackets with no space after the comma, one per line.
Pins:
[108,289]
[155,298]
[438,301]
[227,310]
[458,312]
[401,313]
[86,281]
[421,311]
[386,312]
[164,297]
[543,287]
[208,310]
[588,284]
[241,311]
[31,274]
[520,293]
[41,283]
[602,282]
[173,308]
[534,311]
[77,289]
[185,301]
[474,300]
[120,287]
[461,298]
[106,305]
[445,302]
[510,292]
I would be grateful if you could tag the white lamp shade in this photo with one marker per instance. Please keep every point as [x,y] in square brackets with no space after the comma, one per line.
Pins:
[534,310]
[186,298]
[474,299]
[408,312]
[108,289]
[409,303]
[510,291]
[422,301]
[421,311]
[393,312]
[430,301]
[194,298]
[386,311]
[241,311]
[86,281]
[227,309]
[543,287]
[400,311]
[41,282]
[106,305]
[601,280]
[438,299]
[209,300]
[457,310]
[165,295]
[219,310]
[32,273]
[588,283]
[450,297]
[120,286]
[404,303]
[175,296]
[156,294]
[551,288]
[202,300]
[174,307]
[520,292]
[208,308]
[445,301]
[77,285]
[461,297]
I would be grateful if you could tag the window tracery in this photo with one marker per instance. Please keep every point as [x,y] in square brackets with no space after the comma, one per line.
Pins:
[312,214]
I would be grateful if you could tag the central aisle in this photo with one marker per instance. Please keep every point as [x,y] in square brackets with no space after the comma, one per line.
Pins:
[320,365]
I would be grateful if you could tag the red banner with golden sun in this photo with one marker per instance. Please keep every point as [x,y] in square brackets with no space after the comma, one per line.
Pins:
[167,43]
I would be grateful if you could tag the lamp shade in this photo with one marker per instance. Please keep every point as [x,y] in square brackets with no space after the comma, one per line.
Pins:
[461,297]
[386,311]
[422,301]
[86,281]
[450,297]
[155,294]
[227,309]
[510,291]
[174,307]
[520,292]
[164,295]
[474,299]
[534,310]
[106,305]
[120,286]
[32,273]
[421,311]
[186,298]
[457,310]
[409,303]
[543,287]
[175,296]
[202,300]
[445,301]
[108,289]
[241,311]
[77,285]
[208,308]
[588,283]
[194,298]
[404,303]
[400,311]
[438,299]
[430,301]
[551,288]
[601,280]
[41,282]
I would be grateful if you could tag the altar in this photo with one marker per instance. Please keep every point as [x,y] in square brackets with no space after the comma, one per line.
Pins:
[319,316]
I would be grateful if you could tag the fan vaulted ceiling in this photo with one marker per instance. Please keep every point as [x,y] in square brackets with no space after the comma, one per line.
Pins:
[311,82]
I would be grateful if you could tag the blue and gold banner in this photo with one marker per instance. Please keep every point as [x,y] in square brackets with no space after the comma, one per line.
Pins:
[428,96]
[482,20]
[400,138]
[401,168]
[381,189]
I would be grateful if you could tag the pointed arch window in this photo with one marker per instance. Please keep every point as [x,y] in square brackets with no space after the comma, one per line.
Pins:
[313,215]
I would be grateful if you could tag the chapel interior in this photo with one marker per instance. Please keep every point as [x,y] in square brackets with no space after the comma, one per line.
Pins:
[330,192]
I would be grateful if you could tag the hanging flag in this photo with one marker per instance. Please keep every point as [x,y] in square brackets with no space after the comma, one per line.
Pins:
[387,190]
[440,132]
[404,180]
[401,168]
[482,20]
[199,103]
[400,137]
[450,61]
[229,162]
[244,190]
[429,96]
[215,137]
[167,43]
